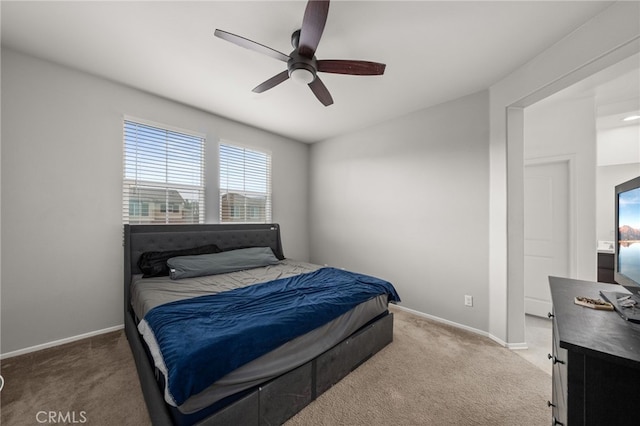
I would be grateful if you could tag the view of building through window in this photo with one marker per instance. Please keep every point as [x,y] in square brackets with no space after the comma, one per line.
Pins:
[163,178]
[245,185]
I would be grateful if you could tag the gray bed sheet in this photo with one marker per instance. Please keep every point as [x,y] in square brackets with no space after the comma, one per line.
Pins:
[146,293]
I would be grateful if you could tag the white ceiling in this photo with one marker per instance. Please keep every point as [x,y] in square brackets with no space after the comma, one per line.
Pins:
[615,91]
[435,51]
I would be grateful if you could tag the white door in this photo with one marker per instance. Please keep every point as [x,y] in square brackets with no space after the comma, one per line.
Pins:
[546,231]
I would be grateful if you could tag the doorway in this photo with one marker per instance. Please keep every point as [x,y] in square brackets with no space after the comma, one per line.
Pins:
[607,96]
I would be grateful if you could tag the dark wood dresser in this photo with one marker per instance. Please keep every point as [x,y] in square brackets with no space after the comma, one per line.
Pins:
[596,359]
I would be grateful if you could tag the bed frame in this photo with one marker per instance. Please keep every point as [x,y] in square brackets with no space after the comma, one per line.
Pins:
[277,400]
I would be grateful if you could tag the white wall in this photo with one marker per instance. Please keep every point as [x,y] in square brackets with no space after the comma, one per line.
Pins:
[62,261]
[603,159]
[619,145]
[567,129]
[407,200]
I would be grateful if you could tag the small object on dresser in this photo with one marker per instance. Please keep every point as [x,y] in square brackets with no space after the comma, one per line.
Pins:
[626,302]
[593,303]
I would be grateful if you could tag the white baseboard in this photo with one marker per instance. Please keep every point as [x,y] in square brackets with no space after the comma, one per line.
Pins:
[444,321]
[60,342]
[512,346]
[501,342]
[517,346]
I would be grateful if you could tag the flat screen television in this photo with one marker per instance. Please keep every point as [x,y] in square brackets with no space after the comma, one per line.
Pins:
[627,242]
[627,250]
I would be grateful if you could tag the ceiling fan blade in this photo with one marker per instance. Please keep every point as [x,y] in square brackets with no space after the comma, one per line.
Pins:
[251,45]
[272,82]
[339,66]
[315,17]
[320,90]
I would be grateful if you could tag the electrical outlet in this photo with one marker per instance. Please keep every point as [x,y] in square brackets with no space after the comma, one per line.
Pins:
[468,300]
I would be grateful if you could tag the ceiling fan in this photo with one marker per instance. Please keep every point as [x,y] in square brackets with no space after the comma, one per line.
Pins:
[302,64]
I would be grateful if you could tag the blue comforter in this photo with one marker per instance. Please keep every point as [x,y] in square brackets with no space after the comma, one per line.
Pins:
[204,338]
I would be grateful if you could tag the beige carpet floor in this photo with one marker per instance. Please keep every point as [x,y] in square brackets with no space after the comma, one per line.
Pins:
[432,374]
[93,379]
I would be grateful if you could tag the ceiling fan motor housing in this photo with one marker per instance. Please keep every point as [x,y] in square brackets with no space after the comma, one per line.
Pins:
[299,62]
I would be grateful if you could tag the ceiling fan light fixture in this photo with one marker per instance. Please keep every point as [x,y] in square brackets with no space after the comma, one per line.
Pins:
[302,75]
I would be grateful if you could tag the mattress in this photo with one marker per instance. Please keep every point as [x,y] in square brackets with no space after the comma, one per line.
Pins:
[147,293]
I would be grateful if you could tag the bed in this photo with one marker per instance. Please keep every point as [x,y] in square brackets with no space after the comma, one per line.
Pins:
[272,358]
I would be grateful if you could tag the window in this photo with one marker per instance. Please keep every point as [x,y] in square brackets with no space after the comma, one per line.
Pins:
[138,208]
[245,185]
[173,208]
[163,175]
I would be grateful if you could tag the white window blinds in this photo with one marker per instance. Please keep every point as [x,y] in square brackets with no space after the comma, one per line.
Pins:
[245,185]
[163,175]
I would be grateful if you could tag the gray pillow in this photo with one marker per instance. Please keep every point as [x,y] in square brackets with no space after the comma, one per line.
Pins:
[220,263]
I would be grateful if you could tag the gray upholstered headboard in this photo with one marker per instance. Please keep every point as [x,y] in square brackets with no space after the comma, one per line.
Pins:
[142,238]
